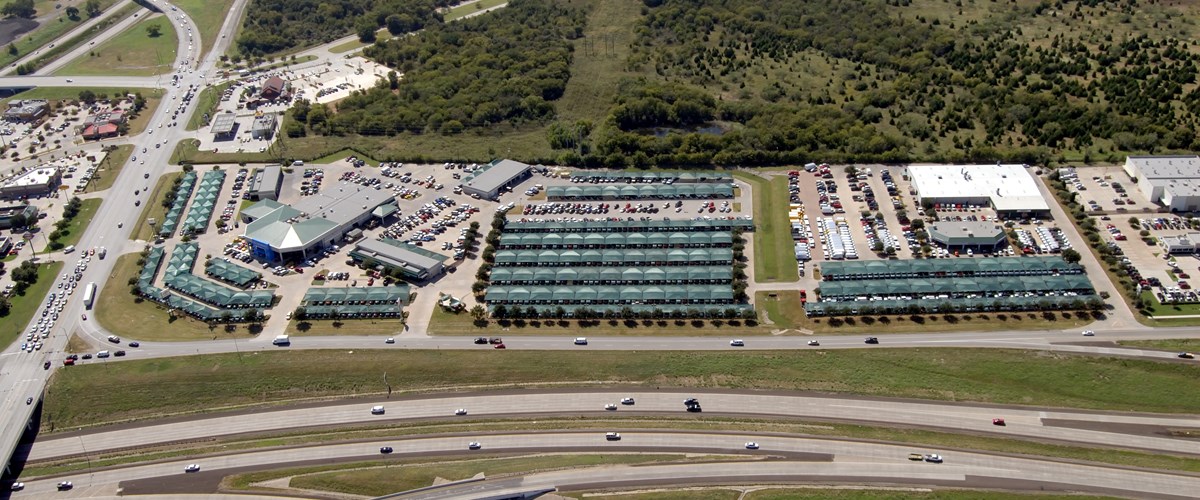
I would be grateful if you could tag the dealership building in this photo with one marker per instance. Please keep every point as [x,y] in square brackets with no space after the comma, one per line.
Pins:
[281,233]
[1009,189]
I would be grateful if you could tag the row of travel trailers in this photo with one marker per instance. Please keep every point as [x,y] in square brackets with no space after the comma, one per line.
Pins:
[835,235]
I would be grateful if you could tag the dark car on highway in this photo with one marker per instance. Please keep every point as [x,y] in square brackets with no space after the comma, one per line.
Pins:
[481,340]
[871,340]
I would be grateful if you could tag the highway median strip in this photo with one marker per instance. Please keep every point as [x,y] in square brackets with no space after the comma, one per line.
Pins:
[919,439]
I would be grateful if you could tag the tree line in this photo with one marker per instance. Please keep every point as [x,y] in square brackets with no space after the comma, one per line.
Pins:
[506,67]
[277,25]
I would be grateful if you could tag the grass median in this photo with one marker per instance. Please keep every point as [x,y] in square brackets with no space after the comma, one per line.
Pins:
[80,396]
[23,307]
[79,223]
[133,52]
[206,103]
[774,253]
[47,32]
[110,168]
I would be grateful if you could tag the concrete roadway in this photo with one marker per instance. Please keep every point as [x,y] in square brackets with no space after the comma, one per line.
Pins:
[812,459]
[1123,430]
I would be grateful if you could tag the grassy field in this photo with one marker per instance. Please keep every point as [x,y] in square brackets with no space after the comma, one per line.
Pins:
[153,208]
[380,35]
[342,155]
[155,387]
[79,224]
[124,314]
[783,309]
[24,306]
[59,93]
[44,34]
[206,102]
[133,52]
[381,327]
[379,481]
[110,168]
[75,344]
[208,16]
[459,11]
[64,46]
[774,255]
[1173,345]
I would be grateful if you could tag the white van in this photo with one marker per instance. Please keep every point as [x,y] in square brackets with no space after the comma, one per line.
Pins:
[102,354]
[282,340]
[69,249]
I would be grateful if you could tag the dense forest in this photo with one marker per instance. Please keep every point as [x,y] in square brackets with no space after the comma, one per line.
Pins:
[505,67]
[785,81]
[275,25]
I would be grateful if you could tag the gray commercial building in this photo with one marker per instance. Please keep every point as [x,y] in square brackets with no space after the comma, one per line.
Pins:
[263,126]
[279,233]
[414,262]
[971,235]
[1173,181]
[37,182]
[489,180]
[266,183]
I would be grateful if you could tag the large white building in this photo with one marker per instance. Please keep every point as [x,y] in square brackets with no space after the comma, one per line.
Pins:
[1173,181]
[1009,189]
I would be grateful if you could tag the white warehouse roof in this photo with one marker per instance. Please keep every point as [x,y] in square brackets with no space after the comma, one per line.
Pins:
[1009,187]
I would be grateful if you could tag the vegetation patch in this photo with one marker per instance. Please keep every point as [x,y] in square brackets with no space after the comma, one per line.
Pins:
[77,214]
[384,480]
[110,168]
[274,26]
[155,387]
[206,104]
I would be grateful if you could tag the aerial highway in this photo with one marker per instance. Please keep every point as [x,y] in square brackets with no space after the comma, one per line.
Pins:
[1123,430]
[804,458]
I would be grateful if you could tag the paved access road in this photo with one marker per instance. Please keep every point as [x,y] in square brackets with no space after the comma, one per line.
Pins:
[812,459]
[1123,430]
[1062,341]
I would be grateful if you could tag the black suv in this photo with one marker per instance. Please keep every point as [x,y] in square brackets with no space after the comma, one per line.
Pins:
[481,340]
[872,340]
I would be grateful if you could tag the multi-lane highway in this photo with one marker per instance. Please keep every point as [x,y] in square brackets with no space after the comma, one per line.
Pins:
[1115,429]
[805,458]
